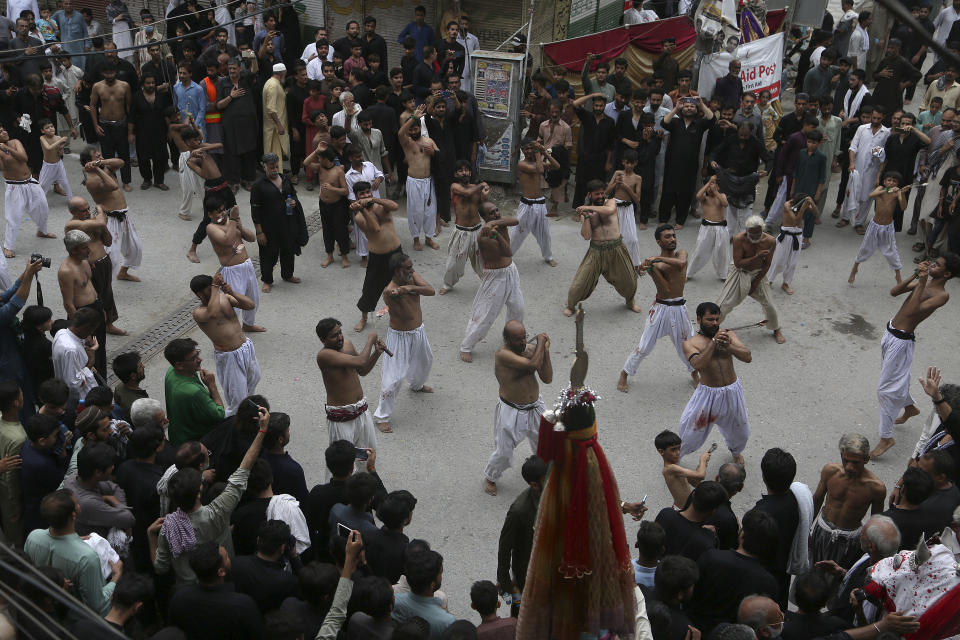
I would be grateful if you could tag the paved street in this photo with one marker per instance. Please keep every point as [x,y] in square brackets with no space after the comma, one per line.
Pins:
[801,395]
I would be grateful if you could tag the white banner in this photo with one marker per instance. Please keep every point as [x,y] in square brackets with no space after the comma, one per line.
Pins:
[761,67]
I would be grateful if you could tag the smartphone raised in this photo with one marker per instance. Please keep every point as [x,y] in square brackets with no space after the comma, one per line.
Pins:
[362,454]
[343,530]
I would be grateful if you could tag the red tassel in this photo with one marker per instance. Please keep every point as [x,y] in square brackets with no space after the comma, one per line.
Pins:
[613,509]
[550,442]
[575,561]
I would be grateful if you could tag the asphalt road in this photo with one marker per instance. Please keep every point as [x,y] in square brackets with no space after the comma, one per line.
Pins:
[801,395]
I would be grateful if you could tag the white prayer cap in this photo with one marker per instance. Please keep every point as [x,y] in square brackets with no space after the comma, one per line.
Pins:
[279,68]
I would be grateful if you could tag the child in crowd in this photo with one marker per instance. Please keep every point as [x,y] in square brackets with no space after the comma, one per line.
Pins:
[650,548]
[679,479]
[880,234]
[485,600]
[53,170]
[932,116]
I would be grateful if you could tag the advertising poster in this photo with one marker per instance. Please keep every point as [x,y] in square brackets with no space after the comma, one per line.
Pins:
[492,87]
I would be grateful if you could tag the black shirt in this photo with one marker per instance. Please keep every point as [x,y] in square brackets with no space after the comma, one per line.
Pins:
[139,482]
[384,552]
[803,626]
[147,118]
[344,44]
[215,612]
[317,510]
[912,524]
[37,355]
[376,45]
[741,157]
[727,525]
[784,510]
[454,61]
[268,208]
[264,580]
[684,538]
[626,128]
[165,72]
[385,119]
[683,152]
[308,618]
[596,138]
[421,79]
[726,578]
[245,522]
[901,156]
[941,504]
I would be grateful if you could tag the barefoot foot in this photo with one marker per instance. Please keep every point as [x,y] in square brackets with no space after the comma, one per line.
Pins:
[489,488]
[424,389]
[344,262]
[326,261]
[123,274]
[432,243]
[253,328]
[363,261]
[633,307]
[738,458]
[778,336]
[786,288]
[8,254]
[360,325]
[908,412]
[384,427]
[40,234]
[116,331]
[266,288]
[416,245]
[192,256]
[466,356]
[882,447]
[443,291]
[568,312]
[622,382]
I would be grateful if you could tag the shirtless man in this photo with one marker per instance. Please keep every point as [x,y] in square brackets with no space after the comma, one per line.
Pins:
[341,367]
[787,252]
[713,241]
[752,253]
[926,295]
[407,344]
[718,398]
[236,359]
[334,203]
[22,195]
[880,233]
[520,407]
[532,210]
[668,315]
[113,97]
[202,163]
[500,282]
[93,222]
[374,216]
[101,181]
[625,187]
[76,287]
[191,186]
[606,256]
[466,200]
[845,492]
[421,193]
[227,236]
[53,172]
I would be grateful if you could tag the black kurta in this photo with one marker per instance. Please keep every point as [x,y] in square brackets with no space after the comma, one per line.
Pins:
[241,128]
[268,208]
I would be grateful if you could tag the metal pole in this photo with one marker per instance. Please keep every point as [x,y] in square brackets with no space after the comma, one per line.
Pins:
[529,32]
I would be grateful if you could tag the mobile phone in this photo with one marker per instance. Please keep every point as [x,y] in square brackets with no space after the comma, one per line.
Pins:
[343,530]
[362,454]
[712,448]
[250,404]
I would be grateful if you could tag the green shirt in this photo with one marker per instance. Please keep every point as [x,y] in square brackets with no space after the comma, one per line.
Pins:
[12,437]
[190,409]
[78,561]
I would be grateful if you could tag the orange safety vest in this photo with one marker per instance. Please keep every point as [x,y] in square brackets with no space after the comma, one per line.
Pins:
[212,115]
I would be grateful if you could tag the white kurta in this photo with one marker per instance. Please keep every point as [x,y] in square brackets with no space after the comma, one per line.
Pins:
[713,244]
[510,426]
[882,238]
[867,163]
[893,388]
[721,406]
[411,361]
[533,219]
[662,320]
[239,373]
[498,288]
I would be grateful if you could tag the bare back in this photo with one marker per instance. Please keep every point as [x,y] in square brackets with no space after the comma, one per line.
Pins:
[530,174]
[384,238]
[494,247]
[918,307]
[99,235]
[466,205]
[105,192]
[714,207]
[14,168]
[221,325]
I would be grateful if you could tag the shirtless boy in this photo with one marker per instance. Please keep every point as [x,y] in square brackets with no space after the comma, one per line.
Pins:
[202,163]
[520,407]
[191,186]
[926,295]
[466,200]
[236,359]
[532,210]
[22,195]
[76,288]
[718,399]
[101,180]
[421,193]
[348,417]
[227,235]
[53,170]
[713,241]
[679,479]
[334,205]
[668,315]
[500,282]
[625,187]
[374,216]
[606,256]
[880,233]
[787,253]
[407,341]
[752,254]
[845,492]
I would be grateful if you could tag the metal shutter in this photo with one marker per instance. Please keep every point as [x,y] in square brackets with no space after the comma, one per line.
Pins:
[311,18]
[392,16]
[493,21]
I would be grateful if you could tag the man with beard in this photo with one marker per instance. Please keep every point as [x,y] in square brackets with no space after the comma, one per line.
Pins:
[147,130]
[201,162]
[113,97]
[595,150]
[893,74]
[831,127]
[865,158]
[212,116]
[278,218]
[718,398]
[374,216]
[499,283]
[900,155]
[520,407]
[100,177]
[607,255]
[466,199]
[856,96]
[736,162]
[227,236]
[532,211]
[86,276]
[845,492]
[679,176]
[410,354]
[668,315]
[233,352]
[235,100]
[421,193]
[752,253]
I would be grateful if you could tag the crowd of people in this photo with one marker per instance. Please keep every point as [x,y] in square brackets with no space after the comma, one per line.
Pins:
[190,518]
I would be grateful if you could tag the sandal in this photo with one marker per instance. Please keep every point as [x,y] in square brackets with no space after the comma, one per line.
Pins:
[919,246]
[860,229]
[842,224]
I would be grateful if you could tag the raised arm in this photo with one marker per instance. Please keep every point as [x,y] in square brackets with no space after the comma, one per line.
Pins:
[584,98]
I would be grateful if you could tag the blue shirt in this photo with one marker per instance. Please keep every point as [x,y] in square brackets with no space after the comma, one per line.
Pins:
[643,575]
[278,43]
[422,35]
[11,363]
[409,605]
[191,99]
[611,110]
[40,473]
[72,27]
